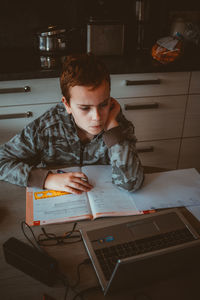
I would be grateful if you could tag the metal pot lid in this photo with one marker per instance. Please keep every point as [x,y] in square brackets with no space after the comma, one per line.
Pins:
[51,30]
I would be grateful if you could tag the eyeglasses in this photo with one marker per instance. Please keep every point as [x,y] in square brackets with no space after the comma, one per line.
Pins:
[51,239]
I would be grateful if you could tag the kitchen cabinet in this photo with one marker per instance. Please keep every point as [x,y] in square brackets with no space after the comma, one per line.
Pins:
[155,118]
[190,146]
[13,119]
[149,84]
[156,104]
[160,153]
[190,153]
[192,118]
[21,101]
[30,91]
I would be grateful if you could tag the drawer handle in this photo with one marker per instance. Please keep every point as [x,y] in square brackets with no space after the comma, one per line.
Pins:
[24,89]
[142,82]
[28,114]
[141,106]
[145,149]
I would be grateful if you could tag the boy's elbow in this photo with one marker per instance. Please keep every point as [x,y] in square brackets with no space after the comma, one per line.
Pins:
[131,185]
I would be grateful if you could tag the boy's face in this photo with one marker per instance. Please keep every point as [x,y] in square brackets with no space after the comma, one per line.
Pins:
[90,108]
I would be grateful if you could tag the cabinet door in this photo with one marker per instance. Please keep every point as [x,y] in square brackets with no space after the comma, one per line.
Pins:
[162,154]
[149,84]
[192,119]
[194,83]
[30,91]
[190,153]
[155,117]
[13,119]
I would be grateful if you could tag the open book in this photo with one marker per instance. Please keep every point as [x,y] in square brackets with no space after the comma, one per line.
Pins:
[105,199]
[160,190]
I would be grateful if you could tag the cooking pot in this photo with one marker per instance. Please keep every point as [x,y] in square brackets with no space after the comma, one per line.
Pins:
[52,39]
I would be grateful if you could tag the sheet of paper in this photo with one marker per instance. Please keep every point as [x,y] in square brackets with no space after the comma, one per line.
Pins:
[106,197]
[169,189]
[195,210]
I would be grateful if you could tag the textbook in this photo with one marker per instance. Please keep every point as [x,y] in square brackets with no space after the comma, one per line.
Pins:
[105,199]
[160,190]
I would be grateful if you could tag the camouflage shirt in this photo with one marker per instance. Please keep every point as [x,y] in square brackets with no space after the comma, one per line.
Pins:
[52,141]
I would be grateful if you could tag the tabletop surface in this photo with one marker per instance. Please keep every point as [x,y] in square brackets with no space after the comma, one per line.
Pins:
[14,284]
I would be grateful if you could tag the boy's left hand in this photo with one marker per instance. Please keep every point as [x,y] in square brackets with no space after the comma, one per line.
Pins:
[114,111]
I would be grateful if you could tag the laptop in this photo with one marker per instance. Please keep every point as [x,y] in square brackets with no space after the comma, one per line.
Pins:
[137,253]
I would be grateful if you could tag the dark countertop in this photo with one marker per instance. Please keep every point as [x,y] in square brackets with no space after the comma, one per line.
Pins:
[21,64]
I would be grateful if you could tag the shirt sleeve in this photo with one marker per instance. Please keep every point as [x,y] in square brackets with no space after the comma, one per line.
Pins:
[20,156]
[127,171]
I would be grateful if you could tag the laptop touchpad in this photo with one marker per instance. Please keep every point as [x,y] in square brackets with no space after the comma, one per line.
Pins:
[145,229]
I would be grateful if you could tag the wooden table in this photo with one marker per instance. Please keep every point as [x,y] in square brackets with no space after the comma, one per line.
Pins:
[15,285]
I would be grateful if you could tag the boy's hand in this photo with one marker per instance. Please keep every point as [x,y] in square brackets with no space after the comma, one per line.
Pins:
[114,111]
[72,182]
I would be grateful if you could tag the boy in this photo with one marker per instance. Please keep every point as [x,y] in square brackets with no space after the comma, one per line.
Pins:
[88,127]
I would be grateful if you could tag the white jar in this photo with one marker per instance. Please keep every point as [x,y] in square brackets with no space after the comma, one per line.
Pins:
[177,25]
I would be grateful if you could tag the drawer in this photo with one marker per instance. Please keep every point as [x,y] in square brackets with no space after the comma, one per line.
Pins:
[162,154]
[29,91]
[194,83]
[15,118]
[155,117]
[189,154]
[192,119]
[149,84]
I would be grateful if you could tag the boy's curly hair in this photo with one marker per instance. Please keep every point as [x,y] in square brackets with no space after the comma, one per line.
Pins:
[84,70]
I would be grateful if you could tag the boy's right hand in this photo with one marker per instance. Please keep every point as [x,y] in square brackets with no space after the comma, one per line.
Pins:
[71,182]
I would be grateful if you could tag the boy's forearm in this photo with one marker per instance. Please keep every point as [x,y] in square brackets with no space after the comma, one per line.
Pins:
[22,174]
[14,172]
[17,158]
[127,171]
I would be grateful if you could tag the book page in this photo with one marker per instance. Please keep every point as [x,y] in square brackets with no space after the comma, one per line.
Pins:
[105,198]
[54,207]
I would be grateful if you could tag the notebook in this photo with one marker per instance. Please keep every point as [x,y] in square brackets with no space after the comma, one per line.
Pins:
[134,254]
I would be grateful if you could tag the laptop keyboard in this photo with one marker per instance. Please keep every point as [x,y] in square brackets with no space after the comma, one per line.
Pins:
[109,256]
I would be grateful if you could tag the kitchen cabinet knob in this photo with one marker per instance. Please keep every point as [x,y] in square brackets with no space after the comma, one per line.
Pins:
[142,82]
[145,149]
[24,89]
[27,114]
[141,106]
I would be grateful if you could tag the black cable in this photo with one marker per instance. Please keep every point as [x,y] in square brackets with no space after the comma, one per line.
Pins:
[36,247]
[60,276]
[80,294]
[63,278]
[85,262]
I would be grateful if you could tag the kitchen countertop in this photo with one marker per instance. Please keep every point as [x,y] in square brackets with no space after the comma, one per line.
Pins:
[21,64]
